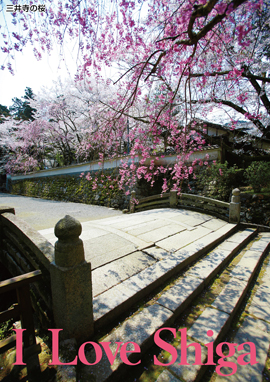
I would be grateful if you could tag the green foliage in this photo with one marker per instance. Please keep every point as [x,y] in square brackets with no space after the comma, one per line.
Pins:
[21,109]
[60,159]
[258,175]
[218,180]
[4,112]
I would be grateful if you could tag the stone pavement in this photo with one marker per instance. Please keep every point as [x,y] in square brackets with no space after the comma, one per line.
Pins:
[139,240]
[42,213]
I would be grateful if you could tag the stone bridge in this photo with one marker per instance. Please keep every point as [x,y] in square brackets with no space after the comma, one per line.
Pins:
[159,268]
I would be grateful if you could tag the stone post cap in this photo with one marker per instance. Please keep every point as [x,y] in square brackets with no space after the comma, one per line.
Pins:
[68,228]
[235,196]
[69,250]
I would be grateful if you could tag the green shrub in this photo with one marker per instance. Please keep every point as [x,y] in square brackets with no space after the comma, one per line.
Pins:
[258,175]
[218,180]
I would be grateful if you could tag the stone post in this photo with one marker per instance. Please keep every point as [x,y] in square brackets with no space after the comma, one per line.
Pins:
[132,203]
[71,283]
[235,207]
[173,199]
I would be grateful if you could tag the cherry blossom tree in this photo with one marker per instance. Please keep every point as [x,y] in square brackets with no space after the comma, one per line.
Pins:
[174,59]
[67,127]
[60,110]
[76,114]
[26,143]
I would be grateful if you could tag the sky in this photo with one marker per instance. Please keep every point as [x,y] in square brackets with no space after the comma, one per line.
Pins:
[28,72]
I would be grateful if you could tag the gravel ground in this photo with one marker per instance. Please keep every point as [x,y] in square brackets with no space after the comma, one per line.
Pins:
[42,213]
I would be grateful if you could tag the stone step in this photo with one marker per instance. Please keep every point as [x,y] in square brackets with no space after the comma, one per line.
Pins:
[255,328]
[119,298]
[218,318]
[141,327]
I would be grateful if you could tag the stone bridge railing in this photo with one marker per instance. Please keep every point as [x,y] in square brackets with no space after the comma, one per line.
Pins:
[24,250]
[63,298]
[227,211]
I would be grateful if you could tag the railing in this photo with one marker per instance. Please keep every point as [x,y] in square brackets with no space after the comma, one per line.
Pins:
[204,204]
[23,311]
[155,201]
[64,297]
[227,211]
[24,250]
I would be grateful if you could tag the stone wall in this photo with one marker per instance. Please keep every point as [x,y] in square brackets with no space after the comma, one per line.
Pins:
[74,188]
[65,184]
